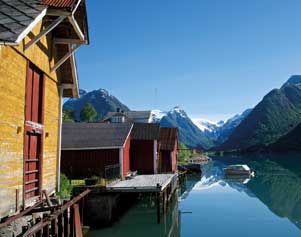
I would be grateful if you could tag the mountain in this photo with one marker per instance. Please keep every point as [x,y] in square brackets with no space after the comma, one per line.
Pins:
[288,142]
[158,115]
[189,133]
[220,132]
[102,101]
[206,125]
[293,80]
[277,114]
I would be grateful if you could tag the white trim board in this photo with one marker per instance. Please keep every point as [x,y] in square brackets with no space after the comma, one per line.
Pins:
[92,148]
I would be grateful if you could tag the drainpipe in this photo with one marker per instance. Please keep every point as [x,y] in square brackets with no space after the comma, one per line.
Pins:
[58,166]
[121,161]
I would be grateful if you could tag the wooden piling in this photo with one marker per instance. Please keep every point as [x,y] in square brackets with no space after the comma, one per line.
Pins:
[158,206]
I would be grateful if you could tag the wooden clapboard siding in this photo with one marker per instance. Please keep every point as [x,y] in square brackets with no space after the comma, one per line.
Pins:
[13,71]
[79,164]
[142,156]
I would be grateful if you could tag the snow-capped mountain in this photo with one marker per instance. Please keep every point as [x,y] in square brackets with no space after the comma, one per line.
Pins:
[220,131]
[158,115]
[189,133]
[224,132]
[207,125]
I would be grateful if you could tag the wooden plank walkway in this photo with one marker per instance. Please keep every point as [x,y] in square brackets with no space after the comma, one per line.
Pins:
[144,183]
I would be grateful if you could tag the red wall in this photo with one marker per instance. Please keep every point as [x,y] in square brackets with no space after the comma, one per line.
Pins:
[142,156]
[168,160]
[83,164]
[126,156]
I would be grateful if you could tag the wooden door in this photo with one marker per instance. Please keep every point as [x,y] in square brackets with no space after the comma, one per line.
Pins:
[34,130]
[165,161]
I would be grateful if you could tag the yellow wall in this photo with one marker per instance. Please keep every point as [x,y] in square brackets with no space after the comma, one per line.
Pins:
[13,64]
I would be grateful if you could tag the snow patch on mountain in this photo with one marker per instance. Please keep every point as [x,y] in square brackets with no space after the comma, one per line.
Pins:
[179,111]
[158,114]
[207,125]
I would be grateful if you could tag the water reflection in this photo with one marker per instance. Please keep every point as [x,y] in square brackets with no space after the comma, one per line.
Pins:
[267,205]
[212,205]
[141,220]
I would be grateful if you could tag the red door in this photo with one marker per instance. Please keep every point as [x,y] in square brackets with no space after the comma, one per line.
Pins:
[34,130]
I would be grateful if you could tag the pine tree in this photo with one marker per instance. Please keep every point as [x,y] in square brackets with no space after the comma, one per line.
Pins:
[88,113]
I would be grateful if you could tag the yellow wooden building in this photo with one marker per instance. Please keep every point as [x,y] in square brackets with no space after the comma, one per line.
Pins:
[38,39]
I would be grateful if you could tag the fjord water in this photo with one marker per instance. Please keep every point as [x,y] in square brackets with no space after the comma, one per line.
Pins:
[211,205]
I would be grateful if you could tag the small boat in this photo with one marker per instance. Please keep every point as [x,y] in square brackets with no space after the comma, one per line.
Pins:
[238,170]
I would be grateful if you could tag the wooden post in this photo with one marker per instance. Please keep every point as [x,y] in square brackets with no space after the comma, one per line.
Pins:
[71,222]
[46,231]
[158,207]
[163,203]
[77,223]
[61,225]
[39,232]
[54,230]
[66,224]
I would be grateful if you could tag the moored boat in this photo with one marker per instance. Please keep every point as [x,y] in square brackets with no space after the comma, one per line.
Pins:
[238,169]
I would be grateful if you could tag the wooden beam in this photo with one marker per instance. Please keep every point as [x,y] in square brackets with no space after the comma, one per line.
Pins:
[63,59]
[44,32]
[77,222]
[68,41]
[76,27]
[56,12]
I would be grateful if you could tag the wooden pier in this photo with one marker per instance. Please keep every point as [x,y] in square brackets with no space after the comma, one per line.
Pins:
[162,186]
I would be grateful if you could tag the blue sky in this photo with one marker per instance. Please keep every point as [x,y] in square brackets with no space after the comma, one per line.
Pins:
[212,58]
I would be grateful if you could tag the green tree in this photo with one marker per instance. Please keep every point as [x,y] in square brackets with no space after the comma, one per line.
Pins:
[183,153]
[68,115]
[88,113]
[65,187]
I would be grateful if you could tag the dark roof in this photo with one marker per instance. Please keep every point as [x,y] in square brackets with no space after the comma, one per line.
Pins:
[168,138]
[16,16]
[146,131]
[94,135]
[131,115]
[138,114]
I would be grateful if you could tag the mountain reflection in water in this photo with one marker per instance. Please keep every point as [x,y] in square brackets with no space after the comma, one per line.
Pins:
[267,205]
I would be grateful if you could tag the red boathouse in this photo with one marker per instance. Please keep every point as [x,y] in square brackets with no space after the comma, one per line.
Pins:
[95,149]
[144,148]
[168,150]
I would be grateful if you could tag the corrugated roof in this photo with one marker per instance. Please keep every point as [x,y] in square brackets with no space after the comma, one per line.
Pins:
[92,135]
[168,138]
[146,131]
[60,3]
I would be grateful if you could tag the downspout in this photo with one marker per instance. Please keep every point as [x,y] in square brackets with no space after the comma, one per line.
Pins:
[58,164]
[121,161]
[155,154]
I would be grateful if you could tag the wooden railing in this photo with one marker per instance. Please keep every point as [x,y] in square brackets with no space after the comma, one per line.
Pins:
[63,221]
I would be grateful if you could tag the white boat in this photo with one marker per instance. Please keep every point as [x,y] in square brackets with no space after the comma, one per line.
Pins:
[238,170]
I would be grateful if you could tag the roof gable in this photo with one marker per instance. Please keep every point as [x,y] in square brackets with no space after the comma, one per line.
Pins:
[168,138]
[146,131]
